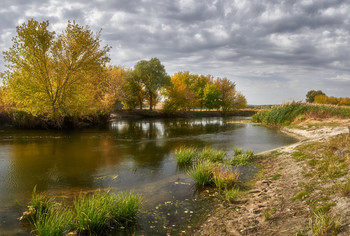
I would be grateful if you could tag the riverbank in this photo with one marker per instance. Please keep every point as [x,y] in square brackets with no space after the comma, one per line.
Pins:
[145,114]
[302,189]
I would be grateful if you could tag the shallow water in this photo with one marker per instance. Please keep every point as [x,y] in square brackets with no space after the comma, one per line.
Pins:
[136,155]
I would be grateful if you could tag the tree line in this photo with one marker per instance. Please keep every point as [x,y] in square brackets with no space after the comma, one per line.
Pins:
[57,75]
[317,96]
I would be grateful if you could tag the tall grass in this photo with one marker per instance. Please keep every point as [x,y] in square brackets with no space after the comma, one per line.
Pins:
[202,173]
[89,214]
[224,177]
[185,155]
[54,222]
[212,155]
[286,113]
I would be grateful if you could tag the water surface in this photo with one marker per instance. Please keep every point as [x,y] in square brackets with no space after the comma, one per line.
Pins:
[128,155]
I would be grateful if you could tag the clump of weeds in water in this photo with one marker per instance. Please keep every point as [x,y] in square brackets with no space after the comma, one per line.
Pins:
[186,155]
[224,177]
[89,214]
[56,221]
[202,173]
[212,155]
[242,159]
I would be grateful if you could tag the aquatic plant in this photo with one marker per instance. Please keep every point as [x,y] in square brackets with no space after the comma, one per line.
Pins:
[126,207]
[212,155]
[185,155]
[40,202]
[224,177]
[202,173]
[55,221]
[242,159]
[237,150]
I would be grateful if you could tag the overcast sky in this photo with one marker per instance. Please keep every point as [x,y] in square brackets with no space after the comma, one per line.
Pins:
[275,50]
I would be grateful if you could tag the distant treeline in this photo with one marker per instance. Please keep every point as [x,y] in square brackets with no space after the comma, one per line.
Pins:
[320,97]
[58,78]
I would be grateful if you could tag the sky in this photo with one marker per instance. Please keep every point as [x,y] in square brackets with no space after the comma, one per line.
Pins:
[274,50]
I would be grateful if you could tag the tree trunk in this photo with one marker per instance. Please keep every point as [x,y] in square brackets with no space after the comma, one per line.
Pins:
[150,102]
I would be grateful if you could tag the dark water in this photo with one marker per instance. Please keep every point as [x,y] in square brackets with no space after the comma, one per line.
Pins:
[136,155]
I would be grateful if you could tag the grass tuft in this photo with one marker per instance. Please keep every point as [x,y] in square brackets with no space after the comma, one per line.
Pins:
[324,224]
[185,155]
[242,159]
[225,178]
[232,194]
[212,155]
[202,173]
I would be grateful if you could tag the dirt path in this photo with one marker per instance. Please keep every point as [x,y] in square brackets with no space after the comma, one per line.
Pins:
[268,208]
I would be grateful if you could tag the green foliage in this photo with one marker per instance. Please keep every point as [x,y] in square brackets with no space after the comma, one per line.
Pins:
[55,222]
[285,114]
[232,194]
[300,196]
[185,156]
[212,155]
[152,75]
[310,96]
[242,159]
[202,173]
[91,214]
[54,75]
[268,213]
[276,176]
[212,96]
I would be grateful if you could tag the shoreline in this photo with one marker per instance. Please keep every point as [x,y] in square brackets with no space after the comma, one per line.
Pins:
[267,208]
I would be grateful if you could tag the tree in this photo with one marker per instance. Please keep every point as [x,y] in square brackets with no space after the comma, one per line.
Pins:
[197,85]
[227,91]
[212,96]
[310,96]
[240,101]
[132,91]
[52,75]
[152,75]
[179,96]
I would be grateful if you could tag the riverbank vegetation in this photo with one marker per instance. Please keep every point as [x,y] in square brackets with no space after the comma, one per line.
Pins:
[89,214]
[58,80]
[209,167]
[287,113]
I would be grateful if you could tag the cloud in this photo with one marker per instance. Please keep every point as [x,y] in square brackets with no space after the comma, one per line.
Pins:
[289,46]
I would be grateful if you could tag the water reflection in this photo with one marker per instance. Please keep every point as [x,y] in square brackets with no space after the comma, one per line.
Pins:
[129,155]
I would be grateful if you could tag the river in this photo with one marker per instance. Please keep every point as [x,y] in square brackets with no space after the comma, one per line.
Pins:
[129,155]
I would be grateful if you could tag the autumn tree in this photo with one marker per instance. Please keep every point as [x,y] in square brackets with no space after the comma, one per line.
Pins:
[197,85]
[310,96]
[132,91]
[227,91]
[152,75]
[179,95]
[212,96]
[50,74]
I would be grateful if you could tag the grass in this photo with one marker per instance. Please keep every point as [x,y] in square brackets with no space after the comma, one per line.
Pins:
[285,114]
[202,173]
[232,194]
[268,213]
[55,222]
[300,196]
[225,178]
[276,176]
[186,155]
[90,214]
[323,224]
[242,159]
[212,155]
